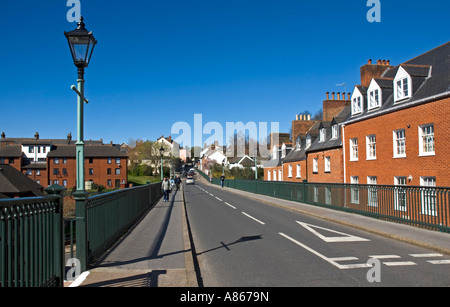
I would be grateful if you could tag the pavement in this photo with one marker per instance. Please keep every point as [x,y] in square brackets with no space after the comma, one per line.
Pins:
[157,252]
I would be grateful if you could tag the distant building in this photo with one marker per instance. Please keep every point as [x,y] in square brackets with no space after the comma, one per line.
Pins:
[53,161]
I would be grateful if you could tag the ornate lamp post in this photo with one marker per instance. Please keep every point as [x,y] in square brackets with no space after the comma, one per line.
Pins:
[161,151]
[81,43]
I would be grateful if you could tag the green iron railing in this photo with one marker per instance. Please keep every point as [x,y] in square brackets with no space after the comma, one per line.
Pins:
[31,242]
[110,215]
[427,207]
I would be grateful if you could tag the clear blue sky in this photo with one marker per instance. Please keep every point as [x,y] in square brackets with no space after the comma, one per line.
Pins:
[159,62]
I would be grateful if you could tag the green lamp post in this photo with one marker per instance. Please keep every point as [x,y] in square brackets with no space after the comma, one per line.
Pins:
[81,43]
[161,151]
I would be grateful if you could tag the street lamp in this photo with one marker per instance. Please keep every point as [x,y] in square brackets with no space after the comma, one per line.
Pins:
[81,43]
[161,151]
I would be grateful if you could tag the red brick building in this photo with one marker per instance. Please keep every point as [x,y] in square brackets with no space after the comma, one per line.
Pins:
[53,161]
[104,165]
[397,130]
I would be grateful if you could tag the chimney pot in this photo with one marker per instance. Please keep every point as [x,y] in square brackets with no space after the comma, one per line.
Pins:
[369,62]
[3,135]
[328,95]
[338,95]
[36,136]
[388,62]
[349,96]
[379,62]
[309,117]
[296,117]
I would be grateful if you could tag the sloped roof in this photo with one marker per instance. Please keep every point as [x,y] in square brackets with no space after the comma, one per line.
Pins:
[12,151]
[90,151]
[430,74]
[12,181]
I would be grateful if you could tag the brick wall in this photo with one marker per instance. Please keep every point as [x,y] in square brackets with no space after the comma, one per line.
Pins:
[336,172]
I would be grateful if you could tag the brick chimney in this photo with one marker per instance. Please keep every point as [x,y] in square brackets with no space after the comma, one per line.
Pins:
[370,71]
[36,136]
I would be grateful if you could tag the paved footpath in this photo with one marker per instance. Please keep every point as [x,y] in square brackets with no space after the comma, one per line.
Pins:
[155,253]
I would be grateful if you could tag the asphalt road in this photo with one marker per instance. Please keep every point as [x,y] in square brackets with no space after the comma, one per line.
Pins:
[241,242]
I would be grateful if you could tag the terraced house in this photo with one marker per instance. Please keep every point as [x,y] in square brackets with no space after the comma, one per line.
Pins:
[397,132]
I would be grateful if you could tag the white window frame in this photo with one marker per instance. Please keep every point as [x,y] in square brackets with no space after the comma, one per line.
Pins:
[354,156]
[374,99]
[399,143]
[327,161]
[290,170]
[424,150]
[299,171]
[274,175]
[269,173]
[322,135]
[400,193]
[280,176]
[372,192]
[334,132]
[402,85]
[428,196]
[354,191]
[357,102]
[315,165]
[371,147]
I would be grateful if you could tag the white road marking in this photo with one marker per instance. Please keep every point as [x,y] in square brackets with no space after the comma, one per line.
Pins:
[425,255]
[439,261]
[329,260]
[230,205]
[385,256]
[399,263]
[218,198]
[255,219]
[342,238]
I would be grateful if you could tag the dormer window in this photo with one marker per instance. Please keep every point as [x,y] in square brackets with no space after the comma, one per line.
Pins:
[308,141]
[298,144]
[402,89]
[357,101]
[402,85]
[357,105]
[334,132]
[374,99]
[322,135]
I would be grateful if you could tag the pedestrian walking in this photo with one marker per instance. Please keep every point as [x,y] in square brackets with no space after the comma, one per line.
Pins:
[222,180]
[177,182]
[165,187]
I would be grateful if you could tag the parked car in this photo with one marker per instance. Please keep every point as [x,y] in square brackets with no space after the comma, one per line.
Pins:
[190,180]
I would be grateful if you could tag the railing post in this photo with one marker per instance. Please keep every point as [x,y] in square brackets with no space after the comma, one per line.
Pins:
[59,233]
[82,250]
[305,191]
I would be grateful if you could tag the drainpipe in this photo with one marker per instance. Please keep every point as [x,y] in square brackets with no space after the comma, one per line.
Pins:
[343,146]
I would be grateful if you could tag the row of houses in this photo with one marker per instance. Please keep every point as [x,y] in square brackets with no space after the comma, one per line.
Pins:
[53,161]
[391,130]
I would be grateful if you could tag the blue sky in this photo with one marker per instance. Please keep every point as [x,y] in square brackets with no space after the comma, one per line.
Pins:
[160,62]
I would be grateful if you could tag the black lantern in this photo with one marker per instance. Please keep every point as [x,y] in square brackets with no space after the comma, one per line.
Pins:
[161,151]
[82,43]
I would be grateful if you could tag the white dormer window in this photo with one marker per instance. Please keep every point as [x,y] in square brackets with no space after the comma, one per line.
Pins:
[308,141]
[402,85]
[274,152]
[322,135]
[374,99]
[374,95]
[298,144]
[334,132]
[357,102]
[283,151]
